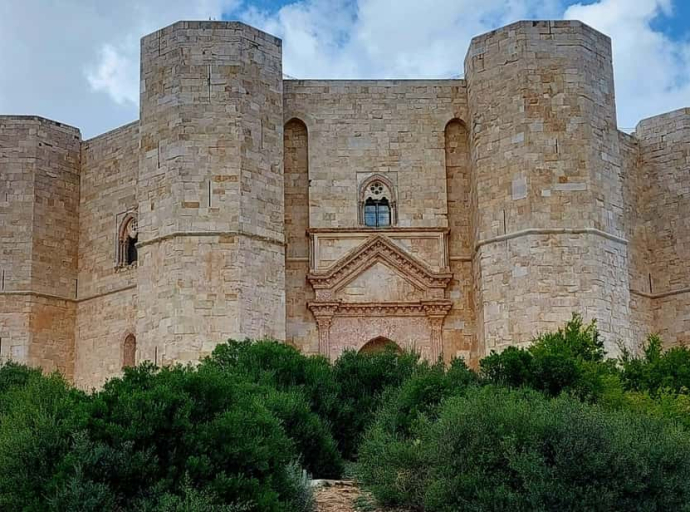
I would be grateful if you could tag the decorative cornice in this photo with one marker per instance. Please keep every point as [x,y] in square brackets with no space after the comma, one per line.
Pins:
[550,231]
[378,248]
[68,299]
[388,230]
[183,234]
[661,295]
[32,293]
[435,308]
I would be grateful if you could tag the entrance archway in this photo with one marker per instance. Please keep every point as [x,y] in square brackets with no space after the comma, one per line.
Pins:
[379,344]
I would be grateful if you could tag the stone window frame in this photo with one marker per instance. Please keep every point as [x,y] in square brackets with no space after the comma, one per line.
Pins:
[388,193]
[127,230]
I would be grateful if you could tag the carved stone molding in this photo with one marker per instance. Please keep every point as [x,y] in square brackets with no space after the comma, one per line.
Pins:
[431,310]
[437,308]
[379,248]
[434,312]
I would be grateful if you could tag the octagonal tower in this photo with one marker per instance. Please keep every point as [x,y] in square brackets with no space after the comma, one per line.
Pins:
[547,184]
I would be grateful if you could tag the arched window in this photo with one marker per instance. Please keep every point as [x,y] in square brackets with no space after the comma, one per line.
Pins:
[377,213]
[129,351]
[377,203]
[127,241]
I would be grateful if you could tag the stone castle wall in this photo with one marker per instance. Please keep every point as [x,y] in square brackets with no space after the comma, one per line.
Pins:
[211,262]
[515,200]
[665,221]
[106,311]
[39,190]
[548,182]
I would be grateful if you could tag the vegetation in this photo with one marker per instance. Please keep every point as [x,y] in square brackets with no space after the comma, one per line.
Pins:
[555,426]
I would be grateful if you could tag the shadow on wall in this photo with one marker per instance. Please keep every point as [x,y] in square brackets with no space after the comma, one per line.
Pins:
[379,345]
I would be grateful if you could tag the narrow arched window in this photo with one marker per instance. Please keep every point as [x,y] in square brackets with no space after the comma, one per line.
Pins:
[131,249]
[128,237]
[377,204]
[129,351]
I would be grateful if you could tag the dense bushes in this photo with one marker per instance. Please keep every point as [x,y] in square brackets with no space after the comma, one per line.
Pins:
[570,360]
[495,449]
[149,439]
[656,370]
[576,432]
[345,395]
[555,426]
[232,433]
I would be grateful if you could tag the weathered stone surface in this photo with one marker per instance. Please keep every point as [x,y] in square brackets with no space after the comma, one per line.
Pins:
[512,197]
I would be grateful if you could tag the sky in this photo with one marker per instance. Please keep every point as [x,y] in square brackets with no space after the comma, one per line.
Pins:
[77,61]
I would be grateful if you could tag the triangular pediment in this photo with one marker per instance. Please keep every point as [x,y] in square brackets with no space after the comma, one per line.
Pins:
[379,250]
[379,282]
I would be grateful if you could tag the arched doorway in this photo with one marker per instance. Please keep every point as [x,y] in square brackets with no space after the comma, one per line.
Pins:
[379,344]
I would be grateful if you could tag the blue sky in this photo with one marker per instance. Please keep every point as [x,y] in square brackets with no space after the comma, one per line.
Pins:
[78,62]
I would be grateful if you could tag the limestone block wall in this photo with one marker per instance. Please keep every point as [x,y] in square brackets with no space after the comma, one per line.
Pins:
[362,127]
[459,330]
[17,161]
[396,129]
[636,206]
[40,162]
[210,176]
[664,143]
[547,178]
[106,311]
[300,325]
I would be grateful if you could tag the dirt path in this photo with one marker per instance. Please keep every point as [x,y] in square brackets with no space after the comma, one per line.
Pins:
[336,496]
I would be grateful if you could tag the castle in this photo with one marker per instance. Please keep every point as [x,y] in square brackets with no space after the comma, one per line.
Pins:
[453,217]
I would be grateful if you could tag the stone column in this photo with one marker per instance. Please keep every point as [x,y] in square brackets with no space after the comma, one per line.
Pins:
[323,313]
[436,312]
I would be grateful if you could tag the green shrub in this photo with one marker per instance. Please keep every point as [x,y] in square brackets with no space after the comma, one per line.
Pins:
[281,366]
[391,458]
[657,370]
[568,360]
[495,449]
[37,420]
[154,438]
[422,393]
[312,437]
[362,380]
[345,395]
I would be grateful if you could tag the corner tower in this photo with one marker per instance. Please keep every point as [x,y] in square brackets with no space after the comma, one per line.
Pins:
[211,240]
[547,185]
[39,232]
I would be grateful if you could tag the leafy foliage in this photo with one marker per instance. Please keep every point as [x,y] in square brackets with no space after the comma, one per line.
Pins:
[656,370]
[555,426]
[151,437]
[568,360]
[491,449]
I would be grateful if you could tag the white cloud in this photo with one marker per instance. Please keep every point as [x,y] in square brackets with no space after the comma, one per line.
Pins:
[387,38]
[651,71]
[115,74]
[78,62]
